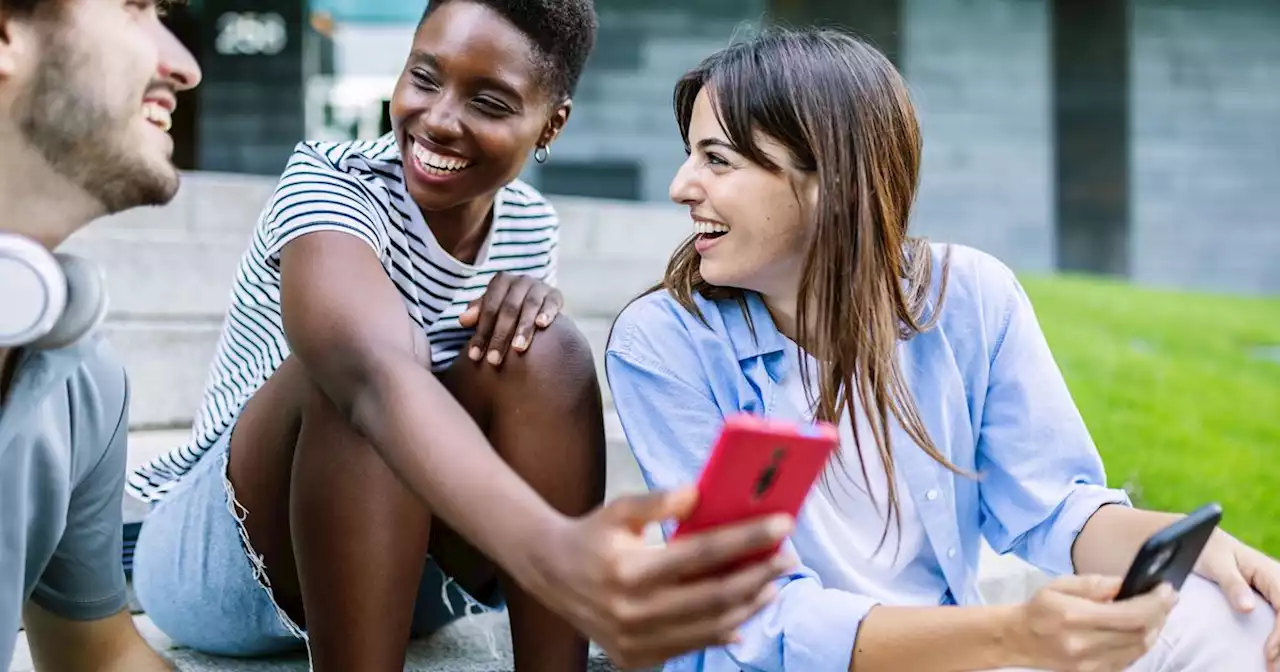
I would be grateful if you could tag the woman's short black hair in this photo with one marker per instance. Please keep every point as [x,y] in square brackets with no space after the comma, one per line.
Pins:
[562,31]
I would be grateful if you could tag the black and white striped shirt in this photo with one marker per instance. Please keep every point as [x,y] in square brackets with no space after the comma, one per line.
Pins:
[356,188]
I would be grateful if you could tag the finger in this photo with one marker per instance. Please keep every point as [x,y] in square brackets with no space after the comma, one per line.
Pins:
[529,312]
[706,552]
[1235,587]
[551,308]
[469,316]
[490,304]
[707,599]
[1266,578]
[1123,657]
[1273,647]
[637,511]
[1124,617]
[678,638]
[1093,587]
[504,326]
[1144,612]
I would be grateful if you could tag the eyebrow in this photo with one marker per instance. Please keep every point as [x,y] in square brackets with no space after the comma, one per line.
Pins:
[418,57]
[716,142]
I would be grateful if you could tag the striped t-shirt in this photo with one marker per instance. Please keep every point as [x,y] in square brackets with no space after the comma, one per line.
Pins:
[356,188]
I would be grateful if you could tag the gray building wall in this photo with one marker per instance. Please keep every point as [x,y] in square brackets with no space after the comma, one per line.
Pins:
[622,140]
[1203,110]
[1206,132]
[978,70]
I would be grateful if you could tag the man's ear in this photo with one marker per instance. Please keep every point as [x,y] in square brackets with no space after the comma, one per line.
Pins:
[17,41]
[559,117]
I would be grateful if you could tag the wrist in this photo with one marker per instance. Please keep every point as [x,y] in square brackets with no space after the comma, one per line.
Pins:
[536,562]
[1012,643]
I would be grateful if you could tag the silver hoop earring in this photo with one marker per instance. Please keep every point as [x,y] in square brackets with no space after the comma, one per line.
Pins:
[541,154]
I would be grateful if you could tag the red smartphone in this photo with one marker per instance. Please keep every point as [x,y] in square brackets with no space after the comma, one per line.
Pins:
[759,467]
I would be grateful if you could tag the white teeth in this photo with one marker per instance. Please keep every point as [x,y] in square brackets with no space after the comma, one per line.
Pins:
[158,115]
[708,227]
[437,163]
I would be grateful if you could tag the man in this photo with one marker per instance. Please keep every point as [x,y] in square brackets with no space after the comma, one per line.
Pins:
[87,88]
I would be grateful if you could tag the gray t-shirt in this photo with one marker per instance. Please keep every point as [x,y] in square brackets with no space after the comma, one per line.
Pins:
[63,430]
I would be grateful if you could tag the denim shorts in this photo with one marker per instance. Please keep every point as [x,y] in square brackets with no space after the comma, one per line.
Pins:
[199,580]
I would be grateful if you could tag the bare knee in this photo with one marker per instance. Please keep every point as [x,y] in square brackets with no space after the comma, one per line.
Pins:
[560,355]
[556,374]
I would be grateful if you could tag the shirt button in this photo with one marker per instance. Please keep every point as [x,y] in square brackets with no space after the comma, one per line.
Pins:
[951,552]
[931,495]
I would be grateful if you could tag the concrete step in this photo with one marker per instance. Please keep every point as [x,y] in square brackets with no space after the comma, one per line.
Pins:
[168,362]
[179,261]
[478,644]
[187,276]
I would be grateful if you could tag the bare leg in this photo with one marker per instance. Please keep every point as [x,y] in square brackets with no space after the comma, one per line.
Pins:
[342,539]
[312,487]
[542,412]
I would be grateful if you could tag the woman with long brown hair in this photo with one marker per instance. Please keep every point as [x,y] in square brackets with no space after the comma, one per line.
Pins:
[802,296]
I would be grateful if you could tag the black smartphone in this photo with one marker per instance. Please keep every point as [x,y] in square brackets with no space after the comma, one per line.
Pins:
[1169,555]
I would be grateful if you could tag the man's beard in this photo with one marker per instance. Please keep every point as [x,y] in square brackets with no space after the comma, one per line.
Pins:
[67,119]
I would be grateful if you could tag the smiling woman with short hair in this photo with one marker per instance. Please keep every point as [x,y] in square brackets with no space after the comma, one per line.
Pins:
[342,439]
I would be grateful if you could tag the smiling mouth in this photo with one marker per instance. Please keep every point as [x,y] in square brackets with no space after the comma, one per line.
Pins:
[158,115]
[438,164]
[709,230]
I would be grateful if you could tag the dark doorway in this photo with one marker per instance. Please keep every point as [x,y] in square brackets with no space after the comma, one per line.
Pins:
[1091,134]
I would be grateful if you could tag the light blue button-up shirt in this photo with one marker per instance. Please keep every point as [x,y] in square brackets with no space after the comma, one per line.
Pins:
[987,389]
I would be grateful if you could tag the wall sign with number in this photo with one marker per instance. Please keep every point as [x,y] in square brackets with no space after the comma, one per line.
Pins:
[251,34]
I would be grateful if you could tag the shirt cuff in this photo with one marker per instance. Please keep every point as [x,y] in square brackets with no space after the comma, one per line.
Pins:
[1078,508]
[816,629]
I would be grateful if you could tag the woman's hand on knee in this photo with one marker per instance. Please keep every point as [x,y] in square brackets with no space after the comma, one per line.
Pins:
[505,318]
[1242,573]
[647,604]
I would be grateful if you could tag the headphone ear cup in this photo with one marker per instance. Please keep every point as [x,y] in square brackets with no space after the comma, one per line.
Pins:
[86,304]
[33,290]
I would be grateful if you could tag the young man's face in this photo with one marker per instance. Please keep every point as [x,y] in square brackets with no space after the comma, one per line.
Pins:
[92,86]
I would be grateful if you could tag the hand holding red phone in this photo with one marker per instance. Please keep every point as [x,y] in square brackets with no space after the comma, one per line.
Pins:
[759,467]
[646,604]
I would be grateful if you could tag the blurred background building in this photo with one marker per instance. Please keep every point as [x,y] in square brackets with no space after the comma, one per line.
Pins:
[1134,138]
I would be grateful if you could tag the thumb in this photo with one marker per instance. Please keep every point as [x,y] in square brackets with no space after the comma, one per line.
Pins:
[471,315]
[1093,587]
[636,511]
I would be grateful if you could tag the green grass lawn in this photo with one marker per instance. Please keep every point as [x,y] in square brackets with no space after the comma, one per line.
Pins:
[1181,404]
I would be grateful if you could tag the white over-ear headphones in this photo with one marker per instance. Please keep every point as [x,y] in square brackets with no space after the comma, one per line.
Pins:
[47,300]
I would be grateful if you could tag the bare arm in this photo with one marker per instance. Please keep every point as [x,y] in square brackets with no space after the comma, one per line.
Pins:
[1110,540]
[936,639]
[110,644]
[347,324]
[1071,623]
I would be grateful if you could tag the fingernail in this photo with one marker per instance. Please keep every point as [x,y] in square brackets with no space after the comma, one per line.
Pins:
[476,354]
[778,527]
[544,320]
[495,357]
[520,343]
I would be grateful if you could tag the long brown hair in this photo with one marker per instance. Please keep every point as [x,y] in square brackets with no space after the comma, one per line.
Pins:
[842,110]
